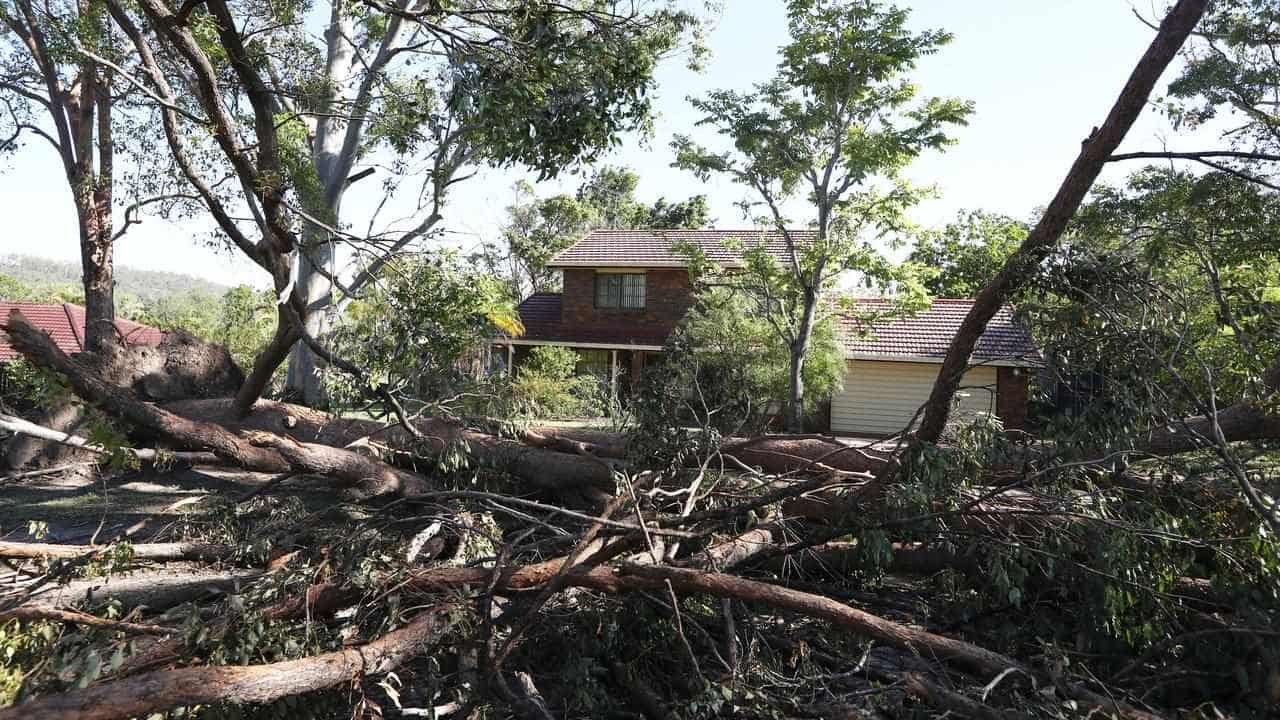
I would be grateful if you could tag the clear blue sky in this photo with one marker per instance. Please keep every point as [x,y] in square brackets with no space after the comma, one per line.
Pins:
[1042,73]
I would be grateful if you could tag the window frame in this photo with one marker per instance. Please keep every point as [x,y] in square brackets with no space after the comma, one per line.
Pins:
[615,295]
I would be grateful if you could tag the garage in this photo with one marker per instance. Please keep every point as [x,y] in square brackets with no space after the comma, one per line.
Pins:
[879,398]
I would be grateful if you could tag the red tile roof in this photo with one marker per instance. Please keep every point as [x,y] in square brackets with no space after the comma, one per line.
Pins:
[925,335]
[928,334]
[540,314]
[65,324]
[654,248]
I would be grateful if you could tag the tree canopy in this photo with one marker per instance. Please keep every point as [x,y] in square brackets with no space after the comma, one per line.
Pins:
[836,126]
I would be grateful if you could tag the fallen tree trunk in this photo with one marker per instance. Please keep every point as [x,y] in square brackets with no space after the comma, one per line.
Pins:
[165,690]
[949,701]
[541,462]
[72,616]
[181,366]
[48,434]
[154,590]
[204,552]
[1239,422]
[265,452]
[632,577]
[542,468]
[319,601]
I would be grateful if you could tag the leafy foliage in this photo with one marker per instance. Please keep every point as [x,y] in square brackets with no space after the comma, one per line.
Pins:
[414,330]
[725,369]
[837,123]
[967,252]
[1162,295]
[548,386]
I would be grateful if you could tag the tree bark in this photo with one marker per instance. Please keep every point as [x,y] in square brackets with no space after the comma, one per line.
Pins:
[156,590]
[73,616]
[795,401]
[165,690]
[1240,422]
[204,552]
[304,382]
[1021,266]
[260,451]
[949,701]
[632,577]
[265,364]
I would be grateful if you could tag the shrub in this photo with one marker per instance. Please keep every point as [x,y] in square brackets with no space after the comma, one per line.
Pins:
[725,369]
[546,386]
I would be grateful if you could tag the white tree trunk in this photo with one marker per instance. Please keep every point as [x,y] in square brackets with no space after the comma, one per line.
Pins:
[316,265]
[304,380]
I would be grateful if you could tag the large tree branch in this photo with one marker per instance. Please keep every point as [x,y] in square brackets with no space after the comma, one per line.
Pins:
[1094,154]
[174,136]
[1225,154]
[165,690]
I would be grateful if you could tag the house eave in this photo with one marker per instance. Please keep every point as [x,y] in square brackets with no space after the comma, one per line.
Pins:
[931,359]
[571,343]
[590,265]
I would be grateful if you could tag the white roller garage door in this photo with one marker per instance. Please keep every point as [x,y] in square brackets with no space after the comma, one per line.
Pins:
[879,398]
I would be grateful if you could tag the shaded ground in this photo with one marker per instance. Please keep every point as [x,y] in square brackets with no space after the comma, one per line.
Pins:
[75,506]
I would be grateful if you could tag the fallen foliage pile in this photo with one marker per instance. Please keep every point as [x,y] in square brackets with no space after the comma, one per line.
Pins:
[479,571]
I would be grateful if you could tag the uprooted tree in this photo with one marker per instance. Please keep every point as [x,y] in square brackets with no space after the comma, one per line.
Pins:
[480,567]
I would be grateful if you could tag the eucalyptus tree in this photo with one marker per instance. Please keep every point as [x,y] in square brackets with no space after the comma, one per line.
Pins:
[1231,74]
[424,91]
[63,98]
[1095,150]
[837,124]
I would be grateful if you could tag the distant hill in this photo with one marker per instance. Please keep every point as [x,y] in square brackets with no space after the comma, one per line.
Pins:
[147,285]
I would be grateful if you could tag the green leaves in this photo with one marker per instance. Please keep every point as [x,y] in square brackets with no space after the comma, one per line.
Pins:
[553,85]
[965,254]
[837,123]
[412,329]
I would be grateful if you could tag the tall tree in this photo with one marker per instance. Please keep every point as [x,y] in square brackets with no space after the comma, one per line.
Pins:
[52,89]
[1232,67]
[837,124]
[422,90]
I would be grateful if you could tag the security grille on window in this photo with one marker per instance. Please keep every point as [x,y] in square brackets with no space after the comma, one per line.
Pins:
[618,290]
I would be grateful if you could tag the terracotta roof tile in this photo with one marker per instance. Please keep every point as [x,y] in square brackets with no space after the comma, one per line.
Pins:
[928,334]
[65,324]
[653,248]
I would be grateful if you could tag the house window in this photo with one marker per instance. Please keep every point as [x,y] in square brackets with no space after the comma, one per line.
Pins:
[620,290]
[593,362]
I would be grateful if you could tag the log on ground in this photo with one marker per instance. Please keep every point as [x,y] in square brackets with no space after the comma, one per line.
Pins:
[168,689]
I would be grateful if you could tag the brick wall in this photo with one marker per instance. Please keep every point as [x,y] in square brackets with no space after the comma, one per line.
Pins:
[1011,397]
[668,296]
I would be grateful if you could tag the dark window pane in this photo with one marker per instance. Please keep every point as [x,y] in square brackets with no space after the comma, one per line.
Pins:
[633,291]
[608,290]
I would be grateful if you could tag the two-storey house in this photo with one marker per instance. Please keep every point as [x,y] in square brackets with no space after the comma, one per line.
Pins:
[626,290]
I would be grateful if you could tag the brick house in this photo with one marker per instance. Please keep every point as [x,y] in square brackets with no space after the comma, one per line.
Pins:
[626,290]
